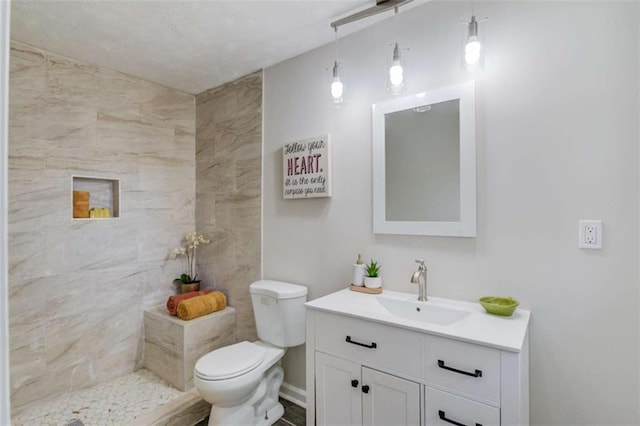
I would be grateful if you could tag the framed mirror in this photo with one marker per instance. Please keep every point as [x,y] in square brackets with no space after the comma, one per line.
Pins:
[424,163]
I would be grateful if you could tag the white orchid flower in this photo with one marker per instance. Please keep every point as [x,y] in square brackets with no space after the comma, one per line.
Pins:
[189,248]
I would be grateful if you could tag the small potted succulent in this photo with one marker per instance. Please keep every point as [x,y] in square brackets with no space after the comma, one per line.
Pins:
[372,278]
[189,281]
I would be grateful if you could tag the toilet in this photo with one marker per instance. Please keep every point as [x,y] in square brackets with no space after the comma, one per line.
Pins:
[241,381]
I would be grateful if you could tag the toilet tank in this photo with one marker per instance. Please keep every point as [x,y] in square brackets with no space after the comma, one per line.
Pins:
[279,311]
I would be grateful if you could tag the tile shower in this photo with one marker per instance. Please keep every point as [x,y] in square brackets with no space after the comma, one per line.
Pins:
[78,288]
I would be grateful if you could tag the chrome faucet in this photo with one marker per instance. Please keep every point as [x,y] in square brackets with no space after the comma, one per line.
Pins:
[420,277]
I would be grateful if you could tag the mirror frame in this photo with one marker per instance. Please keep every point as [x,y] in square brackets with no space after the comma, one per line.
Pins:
[466,227]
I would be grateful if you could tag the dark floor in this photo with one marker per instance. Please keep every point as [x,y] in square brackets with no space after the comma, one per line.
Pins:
[294,415]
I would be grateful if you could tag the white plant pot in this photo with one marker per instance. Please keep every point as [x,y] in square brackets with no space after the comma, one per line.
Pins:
[358,275]
[373,282]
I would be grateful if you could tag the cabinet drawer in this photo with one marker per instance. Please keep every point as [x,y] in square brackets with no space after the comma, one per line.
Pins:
[376,345]
[463,367]
[442,408]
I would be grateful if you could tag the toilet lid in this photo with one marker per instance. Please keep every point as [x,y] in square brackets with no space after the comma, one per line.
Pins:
[230,361]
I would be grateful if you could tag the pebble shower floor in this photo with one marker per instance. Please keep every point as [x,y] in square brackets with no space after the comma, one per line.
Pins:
[117,402]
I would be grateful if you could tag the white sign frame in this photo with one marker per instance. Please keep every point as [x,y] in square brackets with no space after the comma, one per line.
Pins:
[306,168]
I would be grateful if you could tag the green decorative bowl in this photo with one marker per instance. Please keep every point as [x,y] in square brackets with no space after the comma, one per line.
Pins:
[503,306]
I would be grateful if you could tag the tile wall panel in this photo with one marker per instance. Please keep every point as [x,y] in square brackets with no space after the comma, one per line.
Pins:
[78,288]
[228,191]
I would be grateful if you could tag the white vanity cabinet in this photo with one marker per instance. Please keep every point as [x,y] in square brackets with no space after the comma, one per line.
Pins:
[365,368]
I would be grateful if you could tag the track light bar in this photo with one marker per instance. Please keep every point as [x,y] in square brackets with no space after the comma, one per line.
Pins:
[381,6]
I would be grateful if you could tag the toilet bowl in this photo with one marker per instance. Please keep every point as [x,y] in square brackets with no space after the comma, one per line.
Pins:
[228,376]
[241,381]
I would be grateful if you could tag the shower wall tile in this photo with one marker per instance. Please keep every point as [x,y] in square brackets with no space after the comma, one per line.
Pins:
[249,176]
[156,286]
[120,132]
[55,382]
[239,210]
[77,289]
[27,73]
[124,354]
[172,107]
[228,191]
[72,84]
[157,238]
[30,198]
[30,298]
[238,131]
[28,342]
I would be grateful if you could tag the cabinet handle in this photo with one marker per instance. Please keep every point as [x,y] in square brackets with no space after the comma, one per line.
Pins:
[478,373]
[354,383]
[373,345]
[365,388]
[443,417]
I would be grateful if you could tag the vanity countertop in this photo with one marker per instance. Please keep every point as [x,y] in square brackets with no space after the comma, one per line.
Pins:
[479,327]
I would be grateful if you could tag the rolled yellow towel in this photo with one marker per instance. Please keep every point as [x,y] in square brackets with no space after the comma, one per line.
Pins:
[221,299]
[201,305]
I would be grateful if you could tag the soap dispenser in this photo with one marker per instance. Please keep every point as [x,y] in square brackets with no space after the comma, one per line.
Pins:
[358,272]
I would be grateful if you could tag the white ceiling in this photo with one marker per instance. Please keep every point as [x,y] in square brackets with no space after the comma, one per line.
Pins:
[187,45]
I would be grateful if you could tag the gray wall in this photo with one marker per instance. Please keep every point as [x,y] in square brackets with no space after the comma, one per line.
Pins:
[228,187]
[77,289]
[557,135]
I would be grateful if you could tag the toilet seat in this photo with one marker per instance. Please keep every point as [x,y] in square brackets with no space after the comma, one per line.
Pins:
[230,361]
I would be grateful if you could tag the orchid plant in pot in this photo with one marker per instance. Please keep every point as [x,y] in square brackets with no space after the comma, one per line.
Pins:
[189,281]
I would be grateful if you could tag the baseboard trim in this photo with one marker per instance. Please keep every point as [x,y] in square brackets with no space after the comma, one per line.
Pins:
[294,394]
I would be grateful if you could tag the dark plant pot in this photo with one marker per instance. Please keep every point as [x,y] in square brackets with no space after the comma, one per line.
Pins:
[186,288]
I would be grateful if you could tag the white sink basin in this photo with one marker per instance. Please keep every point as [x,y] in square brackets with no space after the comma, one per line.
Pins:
[421,311]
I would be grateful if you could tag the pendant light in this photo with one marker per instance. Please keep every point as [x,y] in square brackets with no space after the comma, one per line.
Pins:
[337,87]
[396,71]
[473,53]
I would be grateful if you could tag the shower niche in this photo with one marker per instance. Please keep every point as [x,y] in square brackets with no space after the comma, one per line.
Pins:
[95,198]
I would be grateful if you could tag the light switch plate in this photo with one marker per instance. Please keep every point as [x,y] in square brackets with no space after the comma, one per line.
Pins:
[590,234]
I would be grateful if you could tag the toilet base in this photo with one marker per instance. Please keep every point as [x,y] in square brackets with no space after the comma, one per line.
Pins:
[272,416]
[260,409]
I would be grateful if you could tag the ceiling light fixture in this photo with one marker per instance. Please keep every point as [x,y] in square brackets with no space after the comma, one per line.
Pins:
[396,72]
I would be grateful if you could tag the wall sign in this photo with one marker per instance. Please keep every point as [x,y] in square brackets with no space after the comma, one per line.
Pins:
[306,168]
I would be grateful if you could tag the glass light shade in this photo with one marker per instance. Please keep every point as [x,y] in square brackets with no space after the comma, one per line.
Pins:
[472,51]
[396,74]
[337,88]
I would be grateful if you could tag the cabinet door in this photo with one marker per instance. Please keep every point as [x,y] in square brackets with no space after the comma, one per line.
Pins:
[338,401]
[389,400]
